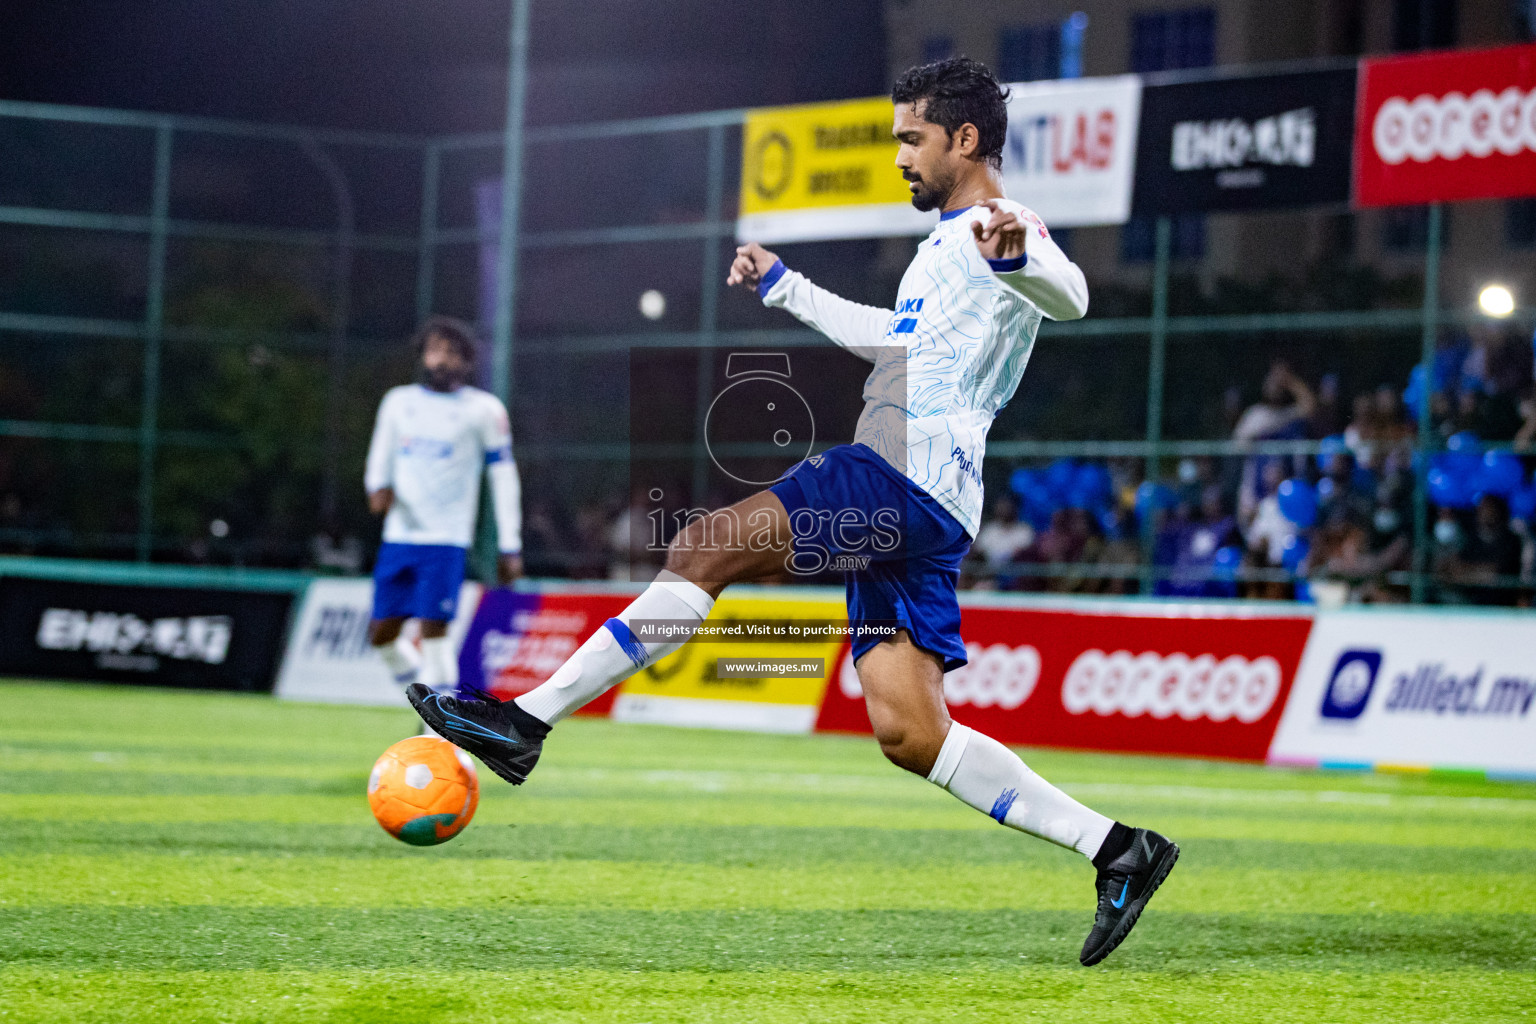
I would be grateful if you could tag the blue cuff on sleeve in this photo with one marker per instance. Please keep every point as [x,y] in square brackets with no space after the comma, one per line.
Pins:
[1004,266]
[765,285]
[495,455]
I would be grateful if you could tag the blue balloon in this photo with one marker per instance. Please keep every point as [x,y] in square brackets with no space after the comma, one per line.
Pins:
[1413,394]
[1463,441]
[1450,489]
[1021,480]
[1226,562]
[1522,504]
[1059,476]
[1325,488]
[1093,478]
[1294,552]
[1500,473]
[1152,496]
[1298,502]
[1328,448]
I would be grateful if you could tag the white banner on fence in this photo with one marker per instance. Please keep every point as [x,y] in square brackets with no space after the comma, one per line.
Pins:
[1071,150]
[329,658]
[1415,688]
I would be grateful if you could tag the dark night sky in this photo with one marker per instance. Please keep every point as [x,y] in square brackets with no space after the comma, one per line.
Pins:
[434,65]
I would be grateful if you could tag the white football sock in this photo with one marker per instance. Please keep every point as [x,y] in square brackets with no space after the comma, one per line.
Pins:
[991,778]
[402,658]
[613,654]
[439,664]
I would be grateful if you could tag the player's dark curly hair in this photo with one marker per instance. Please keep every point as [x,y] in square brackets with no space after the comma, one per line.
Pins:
[960,91]
[458,333]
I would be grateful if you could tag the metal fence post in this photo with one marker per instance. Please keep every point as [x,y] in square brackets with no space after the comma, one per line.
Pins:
[709,305]
[346,231]
[426,243]
[503,328]
[1429,332]
[154,331]
[1156,371]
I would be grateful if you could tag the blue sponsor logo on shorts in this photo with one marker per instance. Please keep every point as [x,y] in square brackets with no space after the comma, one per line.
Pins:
[1349,688]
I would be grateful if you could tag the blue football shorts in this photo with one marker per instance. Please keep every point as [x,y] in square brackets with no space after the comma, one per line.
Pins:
[898,549]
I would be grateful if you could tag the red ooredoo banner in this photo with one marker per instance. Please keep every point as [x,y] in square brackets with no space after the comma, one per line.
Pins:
[1200,683]
[1446,126]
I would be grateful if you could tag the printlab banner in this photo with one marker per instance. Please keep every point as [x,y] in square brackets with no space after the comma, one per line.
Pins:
[1447,126]
[1415,688]
[1245,143]
[328,656]
[1070,154]
[1192,680]
[164,636]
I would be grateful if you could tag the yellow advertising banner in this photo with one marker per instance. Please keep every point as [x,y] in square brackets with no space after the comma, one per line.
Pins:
[690,688]
[824,170]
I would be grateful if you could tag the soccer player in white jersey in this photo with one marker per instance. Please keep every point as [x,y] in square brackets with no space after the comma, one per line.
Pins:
[431,442]
[907,494]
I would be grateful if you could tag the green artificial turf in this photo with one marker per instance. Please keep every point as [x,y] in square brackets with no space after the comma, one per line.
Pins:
[195,857]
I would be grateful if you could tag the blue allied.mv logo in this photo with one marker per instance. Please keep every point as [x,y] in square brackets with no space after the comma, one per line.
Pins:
[1349,688]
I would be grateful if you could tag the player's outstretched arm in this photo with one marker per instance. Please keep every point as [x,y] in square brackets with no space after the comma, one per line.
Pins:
[378,476]
[854,326]
[506,489]
[1026,259]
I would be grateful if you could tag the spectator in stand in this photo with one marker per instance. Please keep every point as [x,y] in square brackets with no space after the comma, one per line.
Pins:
[1480,556]
[1267,530]
[1069,539]
[1327,417]
[1121,551]
[1526,435]
[1000,541]
[1345,492]
[1283,411]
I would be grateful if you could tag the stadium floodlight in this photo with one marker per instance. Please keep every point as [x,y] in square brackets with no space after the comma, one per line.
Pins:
[1496,300]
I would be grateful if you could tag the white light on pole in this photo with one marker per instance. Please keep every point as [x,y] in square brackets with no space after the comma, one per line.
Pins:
[1496,300]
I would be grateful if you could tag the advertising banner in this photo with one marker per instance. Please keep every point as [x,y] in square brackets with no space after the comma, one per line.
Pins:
[827,170]
[688,688]
[1446,126]
[1415,688]
[1070,155]
[1192,680]
[164,636]
[517,639]
[824,170]
[329,658]
[1245,143]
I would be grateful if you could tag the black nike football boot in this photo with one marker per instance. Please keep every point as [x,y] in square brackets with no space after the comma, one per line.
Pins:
[503,735]
[1127,879]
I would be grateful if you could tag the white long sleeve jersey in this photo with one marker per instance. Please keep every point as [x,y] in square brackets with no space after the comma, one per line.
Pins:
[952,352]
[431,446]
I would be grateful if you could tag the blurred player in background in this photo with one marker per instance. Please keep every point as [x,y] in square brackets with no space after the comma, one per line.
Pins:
[430,444]
[945,361]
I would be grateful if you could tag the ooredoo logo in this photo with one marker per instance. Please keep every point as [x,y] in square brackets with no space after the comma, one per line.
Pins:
[996,675]
[1455,125]
[1349,688]
[1162,685]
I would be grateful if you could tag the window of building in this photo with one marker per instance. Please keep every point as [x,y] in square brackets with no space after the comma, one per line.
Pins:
[1423,24]
[1138,238]
[1406,228]
[938,48]
[1520,223]
[1171,40]
[1027,53]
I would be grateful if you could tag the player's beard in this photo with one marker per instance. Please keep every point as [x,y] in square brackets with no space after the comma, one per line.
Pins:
[930,193]
[441,379]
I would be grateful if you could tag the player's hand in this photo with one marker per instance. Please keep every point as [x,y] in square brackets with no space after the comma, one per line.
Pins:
[751,263]
[380,501]
[509,568]
[1002,238]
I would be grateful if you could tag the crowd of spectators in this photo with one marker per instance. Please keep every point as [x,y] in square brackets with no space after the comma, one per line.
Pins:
[1310,502]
